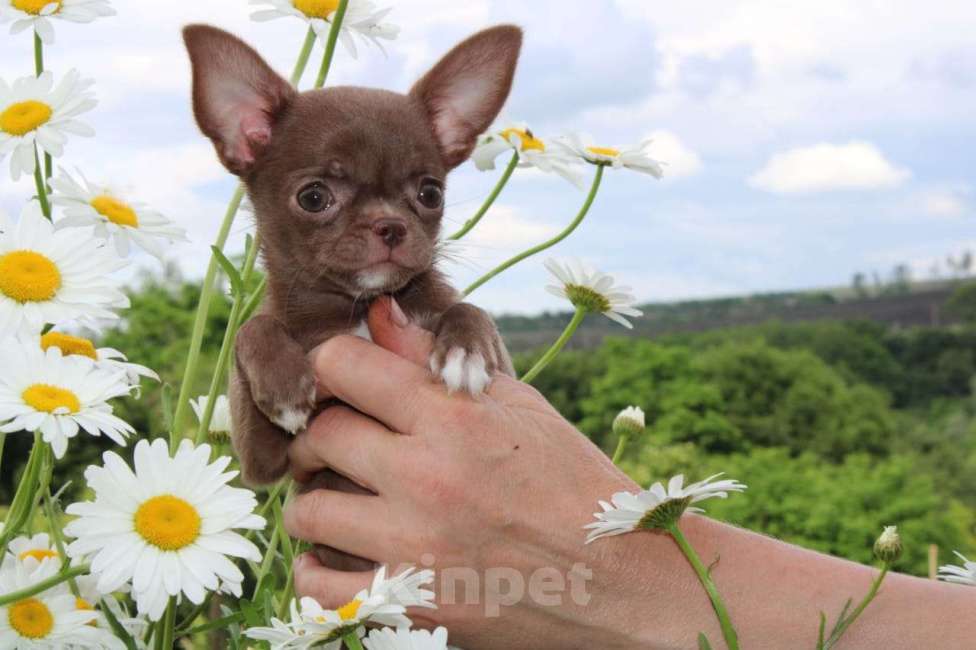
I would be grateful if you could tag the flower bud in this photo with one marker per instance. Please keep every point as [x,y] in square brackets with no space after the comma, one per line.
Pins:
[888,547]
[629,422]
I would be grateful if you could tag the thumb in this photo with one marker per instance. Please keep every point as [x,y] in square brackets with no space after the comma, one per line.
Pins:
[391,329]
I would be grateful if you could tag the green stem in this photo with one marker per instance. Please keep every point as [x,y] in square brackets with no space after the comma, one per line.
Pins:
[352,641]
[473,221]
[200,321]
[41,185]
[288,552]
[302,62]
[54,522]
[556,347]
[3,439]
[169,624]
[226,346]
[330,44]
[44,585]
[38,69]
[269,555]
[44,481]
[38,55]
[24,496]
[621,444]
[594,188]
[839,631]
[728,631]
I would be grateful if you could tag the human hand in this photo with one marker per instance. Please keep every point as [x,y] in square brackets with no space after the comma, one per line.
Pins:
[490,492]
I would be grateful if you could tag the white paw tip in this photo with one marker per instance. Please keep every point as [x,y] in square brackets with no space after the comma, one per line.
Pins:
[292,420]
[463,371]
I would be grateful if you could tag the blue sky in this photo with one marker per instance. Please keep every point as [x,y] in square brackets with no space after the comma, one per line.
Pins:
[806,140]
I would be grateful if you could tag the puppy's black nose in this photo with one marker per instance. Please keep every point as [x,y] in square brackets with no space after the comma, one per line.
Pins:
[391,231]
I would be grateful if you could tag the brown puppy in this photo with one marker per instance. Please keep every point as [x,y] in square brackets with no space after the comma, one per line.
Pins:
[348,188]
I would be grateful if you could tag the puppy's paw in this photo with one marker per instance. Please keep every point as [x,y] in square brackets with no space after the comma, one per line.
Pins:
[288,399]
[461,369]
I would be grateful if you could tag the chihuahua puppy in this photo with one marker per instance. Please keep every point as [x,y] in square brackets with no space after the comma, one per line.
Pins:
[348,188]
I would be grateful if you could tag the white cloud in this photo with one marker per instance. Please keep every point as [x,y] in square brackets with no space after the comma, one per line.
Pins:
[826,167]
[680,160]
[504,227]
[949,202]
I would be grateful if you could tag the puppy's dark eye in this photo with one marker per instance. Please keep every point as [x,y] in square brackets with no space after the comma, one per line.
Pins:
[431,195]
[315,197]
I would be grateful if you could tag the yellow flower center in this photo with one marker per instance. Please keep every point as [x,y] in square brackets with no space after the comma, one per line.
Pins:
[26,276]
[115,211]
[316,8]
[69,344]
[23,117]
[168,522]
[48,398]
[35,7]
[348,611]
[609,152]
[527,140]
[39,554]
[83,605]
[31,619]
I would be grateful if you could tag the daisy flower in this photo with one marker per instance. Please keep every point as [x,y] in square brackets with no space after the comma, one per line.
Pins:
[168,527]
[406,639]
[33,110]
[887,547]
[36,14]
[630,157]
[50,276]
[656,508]
[220,423]
[50,620]
[592,291]
[30,551]
[125,222]
[384,603]
[42,390]
[362,19]
[963,575]
[629,422]
[532,150]
[107,358]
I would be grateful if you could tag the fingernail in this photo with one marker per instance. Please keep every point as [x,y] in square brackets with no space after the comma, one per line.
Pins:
[397,317]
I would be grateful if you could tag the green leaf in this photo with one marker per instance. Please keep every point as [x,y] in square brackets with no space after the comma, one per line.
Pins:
[703,643]
[820,636]
[236,283]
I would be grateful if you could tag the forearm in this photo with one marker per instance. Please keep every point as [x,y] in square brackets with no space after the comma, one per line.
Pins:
[775,593]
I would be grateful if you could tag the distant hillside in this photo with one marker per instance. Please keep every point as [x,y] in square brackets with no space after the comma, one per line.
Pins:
[910,305]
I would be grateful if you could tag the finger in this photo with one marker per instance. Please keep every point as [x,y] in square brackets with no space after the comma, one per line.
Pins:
[354,523]
[349,442]
[377,382]
[390,328]
[338,560]
[332,589]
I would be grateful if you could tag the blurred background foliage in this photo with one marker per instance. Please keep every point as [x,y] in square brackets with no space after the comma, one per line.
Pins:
[838,427]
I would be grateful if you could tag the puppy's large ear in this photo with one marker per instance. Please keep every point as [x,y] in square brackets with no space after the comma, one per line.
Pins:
[464,92]
[236,95]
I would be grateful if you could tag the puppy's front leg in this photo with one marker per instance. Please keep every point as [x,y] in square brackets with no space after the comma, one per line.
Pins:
[273,392]
[468,349]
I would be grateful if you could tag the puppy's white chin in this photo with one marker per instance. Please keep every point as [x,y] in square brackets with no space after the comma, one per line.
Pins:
[373,279]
